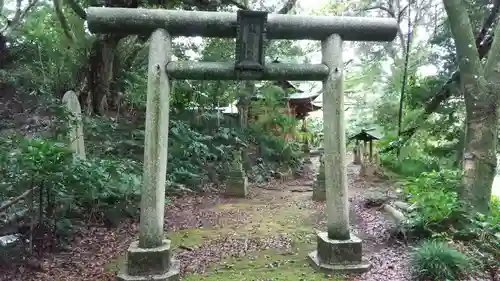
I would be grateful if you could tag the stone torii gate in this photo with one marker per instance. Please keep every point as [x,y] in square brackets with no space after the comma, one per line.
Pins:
[338,249]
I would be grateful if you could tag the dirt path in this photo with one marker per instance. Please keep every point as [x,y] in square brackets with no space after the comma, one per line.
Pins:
[264,237]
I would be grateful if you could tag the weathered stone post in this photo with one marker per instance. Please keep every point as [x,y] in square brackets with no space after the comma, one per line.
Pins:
[338,249]
[357,153]
[150,257]
[307,151]
[237,181]
[306,148]
[319,190]
[76,139]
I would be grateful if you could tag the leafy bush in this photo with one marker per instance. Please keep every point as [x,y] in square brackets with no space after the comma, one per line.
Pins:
[437,212]
[435,201]
[494,217]
[434,260]
[279,150]
[192,155]
[482,234]
[410,166]
[315,130]
[69,188]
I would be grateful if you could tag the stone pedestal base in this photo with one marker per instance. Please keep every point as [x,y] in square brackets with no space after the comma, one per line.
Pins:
[338,256]
[307,159]
[319,191]
[154,264]
[237,185]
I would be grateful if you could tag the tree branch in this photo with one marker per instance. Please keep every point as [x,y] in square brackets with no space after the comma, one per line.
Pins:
[483,45]
[401,13]
[77,8]
[461,28]
[492,67]
[488,22]
[385,9]
[58,7]
[25,194]
[390,10]
[18,16]
[236,4]
[287,7]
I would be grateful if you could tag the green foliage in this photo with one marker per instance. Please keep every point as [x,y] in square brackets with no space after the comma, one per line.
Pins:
[434,260]
[274,129]
[437,212]
[44,59]
[74,188]
[279,150]
[193,154]
[315,130]
[410,166]
[435,201]
[271,111]
[483,236]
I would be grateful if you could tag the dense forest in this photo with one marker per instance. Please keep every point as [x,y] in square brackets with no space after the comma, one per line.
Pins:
[426,203]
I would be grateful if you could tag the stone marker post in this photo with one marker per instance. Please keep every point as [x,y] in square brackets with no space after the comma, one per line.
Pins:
[237,181]
[319,189]
[357,153]
[306,148]
[76,139]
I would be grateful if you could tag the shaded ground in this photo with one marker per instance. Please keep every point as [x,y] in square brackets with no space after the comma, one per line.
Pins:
[265,237]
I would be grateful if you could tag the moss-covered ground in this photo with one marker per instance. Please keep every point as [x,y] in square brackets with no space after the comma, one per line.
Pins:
[284,219]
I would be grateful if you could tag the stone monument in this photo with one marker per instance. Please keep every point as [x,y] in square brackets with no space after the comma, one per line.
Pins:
[76,139]
[319,191]
[237,182]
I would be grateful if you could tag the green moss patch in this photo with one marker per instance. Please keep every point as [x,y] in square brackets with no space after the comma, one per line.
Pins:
[265,265]
[263,220]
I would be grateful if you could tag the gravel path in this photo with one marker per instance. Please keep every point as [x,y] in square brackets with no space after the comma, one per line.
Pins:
[389,259]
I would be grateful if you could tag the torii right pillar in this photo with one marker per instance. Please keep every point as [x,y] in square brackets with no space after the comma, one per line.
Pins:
[338,250]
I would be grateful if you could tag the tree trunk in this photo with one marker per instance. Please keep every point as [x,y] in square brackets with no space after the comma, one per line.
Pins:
[479,158]
[479,162]
[98,96]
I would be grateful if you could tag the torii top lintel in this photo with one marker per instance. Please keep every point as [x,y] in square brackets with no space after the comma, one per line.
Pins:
[223,24]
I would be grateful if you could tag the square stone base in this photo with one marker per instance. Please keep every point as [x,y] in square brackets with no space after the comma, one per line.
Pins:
[172,275]
[338,256]
[149,263]
[237,187]
[338,268]
[319,191]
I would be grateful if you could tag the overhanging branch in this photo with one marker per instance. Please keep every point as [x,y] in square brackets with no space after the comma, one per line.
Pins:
[18,16]
[483,45]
